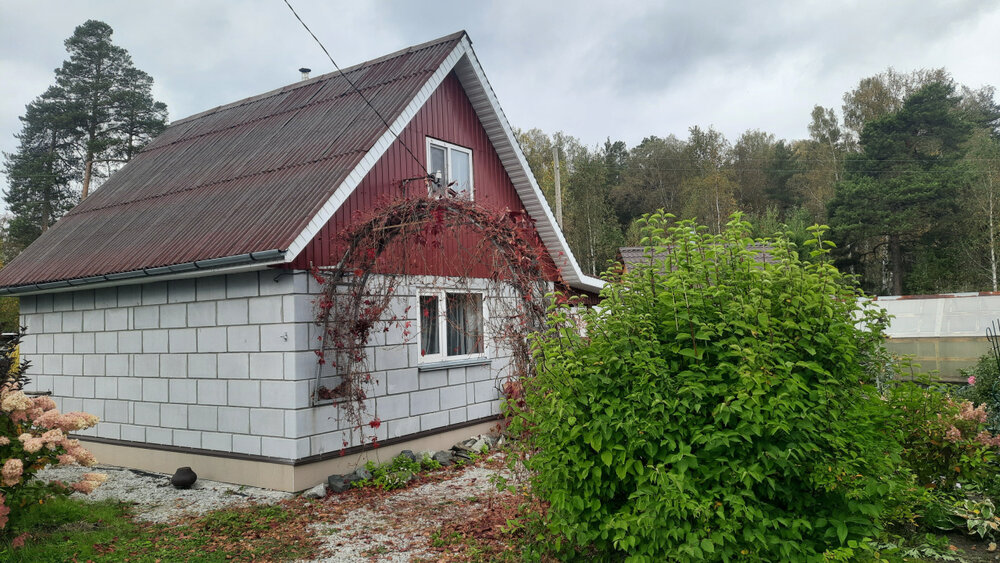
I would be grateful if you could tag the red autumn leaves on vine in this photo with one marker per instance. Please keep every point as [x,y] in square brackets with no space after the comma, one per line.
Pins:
[406,236]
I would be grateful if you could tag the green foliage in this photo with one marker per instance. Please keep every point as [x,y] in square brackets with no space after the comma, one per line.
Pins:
[942,439]
[10,308]
[70,529]
[975,518]
[919,548]
[715,410]
[902,192]
[395,474]
[984,389]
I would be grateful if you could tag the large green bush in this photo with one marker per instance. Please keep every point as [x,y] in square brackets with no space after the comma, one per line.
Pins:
[713,408]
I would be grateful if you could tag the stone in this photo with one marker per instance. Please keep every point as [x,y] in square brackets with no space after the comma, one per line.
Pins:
[340,483]
[474,445]
[409,454]
[359,474]
[319,491]
[183,478]
[445,458]
[337,483]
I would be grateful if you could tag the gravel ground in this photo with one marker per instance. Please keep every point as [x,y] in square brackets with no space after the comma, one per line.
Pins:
[155,499]
[398,528]
[393,527]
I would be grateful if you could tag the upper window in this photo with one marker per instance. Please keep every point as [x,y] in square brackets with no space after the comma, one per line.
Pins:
[455,318]
[452,165]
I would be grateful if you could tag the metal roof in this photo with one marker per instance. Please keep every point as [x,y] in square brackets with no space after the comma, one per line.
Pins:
[633,256]
[243,180]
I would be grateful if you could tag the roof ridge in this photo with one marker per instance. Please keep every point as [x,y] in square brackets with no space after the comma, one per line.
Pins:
[323,77]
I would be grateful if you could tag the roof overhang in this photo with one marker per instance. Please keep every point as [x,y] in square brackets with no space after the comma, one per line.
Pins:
[211,266]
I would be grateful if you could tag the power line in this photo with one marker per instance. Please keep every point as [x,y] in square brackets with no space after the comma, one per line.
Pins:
[358,91]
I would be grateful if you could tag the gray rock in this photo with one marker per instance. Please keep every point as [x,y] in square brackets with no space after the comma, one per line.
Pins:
[183,478]
[409,454]
[475,444]
[359,474]
[319,491]
[445,458]
[337,483]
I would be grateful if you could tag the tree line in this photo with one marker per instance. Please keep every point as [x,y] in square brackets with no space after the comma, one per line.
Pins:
[907,174]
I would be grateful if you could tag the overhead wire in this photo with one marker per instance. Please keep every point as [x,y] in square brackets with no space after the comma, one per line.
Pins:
[357,90]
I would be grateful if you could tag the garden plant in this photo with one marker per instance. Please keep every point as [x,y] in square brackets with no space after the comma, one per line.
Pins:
[715,407]
[34,435]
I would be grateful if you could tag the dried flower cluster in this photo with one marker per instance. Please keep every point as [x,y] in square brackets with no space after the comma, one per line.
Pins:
[33,435]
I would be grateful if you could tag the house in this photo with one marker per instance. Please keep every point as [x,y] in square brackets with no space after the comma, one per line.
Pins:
[175,303]
[631,257]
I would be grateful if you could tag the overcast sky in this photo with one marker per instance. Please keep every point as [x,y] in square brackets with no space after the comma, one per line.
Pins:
[593,69]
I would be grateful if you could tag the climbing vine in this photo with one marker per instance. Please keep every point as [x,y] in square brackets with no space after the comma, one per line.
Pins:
[406,243]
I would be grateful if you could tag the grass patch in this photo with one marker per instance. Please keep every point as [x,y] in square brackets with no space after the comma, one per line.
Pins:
[77,530]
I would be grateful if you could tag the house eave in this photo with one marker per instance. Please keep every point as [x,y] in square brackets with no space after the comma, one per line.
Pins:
[212,266]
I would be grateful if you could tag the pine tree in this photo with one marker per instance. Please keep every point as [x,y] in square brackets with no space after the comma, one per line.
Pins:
[96,117]
[110,104]
[39,173]
[901,195]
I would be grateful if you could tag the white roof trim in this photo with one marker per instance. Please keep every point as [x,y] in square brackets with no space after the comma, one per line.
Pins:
[375,153]
[491,115]
[463,60]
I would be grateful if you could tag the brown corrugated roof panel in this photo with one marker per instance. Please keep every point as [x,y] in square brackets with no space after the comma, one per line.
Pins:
[242,178]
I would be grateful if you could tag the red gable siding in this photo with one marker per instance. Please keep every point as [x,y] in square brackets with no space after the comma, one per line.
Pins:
[449,116]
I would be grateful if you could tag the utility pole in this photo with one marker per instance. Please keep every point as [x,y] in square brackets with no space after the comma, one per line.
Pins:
[555,160]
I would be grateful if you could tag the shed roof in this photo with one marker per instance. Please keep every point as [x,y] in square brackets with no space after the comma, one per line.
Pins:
[252,182]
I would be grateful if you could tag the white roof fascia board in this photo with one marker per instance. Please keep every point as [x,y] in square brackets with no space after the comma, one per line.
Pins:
[509,150]
[375,153]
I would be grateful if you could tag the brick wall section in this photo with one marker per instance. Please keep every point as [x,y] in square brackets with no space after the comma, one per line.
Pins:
[225,363]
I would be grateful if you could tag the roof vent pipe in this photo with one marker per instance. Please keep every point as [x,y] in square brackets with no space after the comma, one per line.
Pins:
[305,73]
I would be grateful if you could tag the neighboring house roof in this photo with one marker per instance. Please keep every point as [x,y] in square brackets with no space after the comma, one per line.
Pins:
[252,182]
[631,256]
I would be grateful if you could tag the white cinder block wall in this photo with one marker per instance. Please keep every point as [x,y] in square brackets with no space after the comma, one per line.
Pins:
[226,363]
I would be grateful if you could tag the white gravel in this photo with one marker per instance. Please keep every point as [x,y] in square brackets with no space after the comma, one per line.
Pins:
[155,499]
[392,530]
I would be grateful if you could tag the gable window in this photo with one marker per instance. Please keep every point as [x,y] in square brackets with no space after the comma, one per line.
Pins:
[451,326]
[452,166]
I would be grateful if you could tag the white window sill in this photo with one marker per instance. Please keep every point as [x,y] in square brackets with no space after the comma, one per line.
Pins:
[447,364]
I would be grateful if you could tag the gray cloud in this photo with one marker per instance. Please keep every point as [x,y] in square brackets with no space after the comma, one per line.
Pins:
[592,69]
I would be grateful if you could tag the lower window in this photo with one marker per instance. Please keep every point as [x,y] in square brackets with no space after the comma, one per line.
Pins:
[451,325]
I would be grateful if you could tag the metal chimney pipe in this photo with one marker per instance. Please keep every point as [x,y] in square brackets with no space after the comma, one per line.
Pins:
[305,73]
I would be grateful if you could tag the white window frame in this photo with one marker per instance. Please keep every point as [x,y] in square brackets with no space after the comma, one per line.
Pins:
[442,326]
[431,141]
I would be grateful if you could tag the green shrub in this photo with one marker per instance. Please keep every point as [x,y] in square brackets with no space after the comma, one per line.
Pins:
[397,473]
[714,407]
[944,441]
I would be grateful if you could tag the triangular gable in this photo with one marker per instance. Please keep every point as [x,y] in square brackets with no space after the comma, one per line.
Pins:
[466,65]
